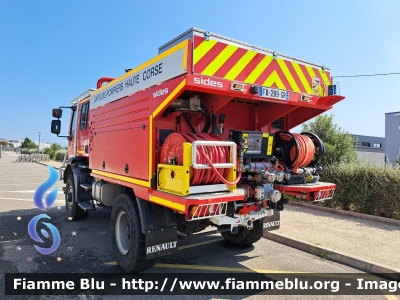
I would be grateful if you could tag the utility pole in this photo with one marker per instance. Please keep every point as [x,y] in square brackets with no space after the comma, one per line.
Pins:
[39,143]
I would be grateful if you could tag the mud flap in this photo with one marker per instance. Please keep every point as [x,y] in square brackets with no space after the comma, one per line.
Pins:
[272,222]
[161,242]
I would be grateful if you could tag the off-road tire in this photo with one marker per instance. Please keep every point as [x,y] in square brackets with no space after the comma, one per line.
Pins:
[134,260]
[245,237]
[72,208]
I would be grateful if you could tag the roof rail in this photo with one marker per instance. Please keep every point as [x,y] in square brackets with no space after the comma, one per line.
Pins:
[82,96]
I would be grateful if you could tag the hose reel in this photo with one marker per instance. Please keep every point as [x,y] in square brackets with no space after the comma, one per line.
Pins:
[298,150]
[172,153]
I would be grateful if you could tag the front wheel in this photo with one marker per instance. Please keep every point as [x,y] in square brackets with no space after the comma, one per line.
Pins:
[128,241]
[245,237]
[74,211]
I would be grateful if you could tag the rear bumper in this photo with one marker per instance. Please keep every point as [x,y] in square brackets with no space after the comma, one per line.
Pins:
[242,220]
[318,191]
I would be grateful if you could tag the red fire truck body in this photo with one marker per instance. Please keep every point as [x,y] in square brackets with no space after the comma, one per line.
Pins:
[150,144]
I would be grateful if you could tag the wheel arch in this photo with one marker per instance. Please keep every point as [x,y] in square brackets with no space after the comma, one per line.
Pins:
[78,175]
[154,216]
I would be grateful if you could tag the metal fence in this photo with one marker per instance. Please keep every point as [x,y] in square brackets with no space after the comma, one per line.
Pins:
[32,157]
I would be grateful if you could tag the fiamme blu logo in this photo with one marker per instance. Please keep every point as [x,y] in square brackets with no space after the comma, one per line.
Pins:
[49,201]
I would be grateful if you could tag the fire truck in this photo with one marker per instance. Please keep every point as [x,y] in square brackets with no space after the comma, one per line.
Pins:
[195,141]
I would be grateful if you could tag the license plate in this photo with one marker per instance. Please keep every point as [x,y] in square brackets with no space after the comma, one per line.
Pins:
[273,93]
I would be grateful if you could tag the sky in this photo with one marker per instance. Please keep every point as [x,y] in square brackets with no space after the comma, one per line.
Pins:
[51,51]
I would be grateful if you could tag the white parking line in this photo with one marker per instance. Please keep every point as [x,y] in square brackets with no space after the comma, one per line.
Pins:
[15,241]
[39,176]
[23,183]
[26,191]
[30,200]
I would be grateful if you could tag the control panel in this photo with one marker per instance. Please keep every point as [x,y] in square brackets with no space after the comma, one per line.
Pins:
[253,144]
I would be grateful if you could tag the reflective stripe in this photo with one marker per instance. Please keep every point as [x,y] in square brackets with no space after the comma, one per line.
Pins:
[274,78]
[202,50]
[122,178]
[302,77]
[168,99]
[219,60]
[262,65]
[324,77]
[288,75]
[311,72]
[168,203]
[235,63]
[240,65]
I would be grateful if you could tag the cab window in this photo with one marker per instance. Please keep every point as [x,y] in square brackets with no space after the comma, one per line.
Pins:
[73,123]
[84,115]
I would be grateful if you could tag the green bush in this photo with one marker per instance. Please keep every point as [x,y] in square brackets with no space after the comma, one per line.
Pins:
[49,152]
[365,188]
[29,151]
[59,155]
[52,150]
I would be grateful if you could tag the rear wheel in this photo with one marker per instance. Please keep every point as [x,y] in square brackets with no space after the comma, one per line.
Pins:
[74,211]
[245,237]
[128,241]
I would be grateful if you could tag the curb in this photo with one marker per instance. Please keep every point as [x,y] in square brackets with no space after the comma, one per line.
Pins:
[348,213]
[328,254]
[44,164]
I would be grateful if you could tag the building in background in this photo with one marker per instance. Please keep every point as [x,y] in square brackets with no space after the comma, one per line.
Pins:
[392,134]
[370,148]
[43,145]
[16,143]
[7,147]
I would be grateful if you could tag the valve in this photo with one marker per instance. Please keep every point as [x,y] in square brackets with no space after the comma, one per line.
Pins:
[279,176]
[271,194]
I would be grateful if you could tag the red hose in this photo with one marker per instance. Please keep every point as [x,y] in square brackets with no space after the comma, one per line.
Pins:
[266,167]
[306,150]
[218,174]
[196,175]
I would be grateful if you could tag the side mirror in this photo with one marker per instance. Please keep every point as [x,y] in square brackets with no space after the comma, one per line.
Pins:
[56,126]
[57,113]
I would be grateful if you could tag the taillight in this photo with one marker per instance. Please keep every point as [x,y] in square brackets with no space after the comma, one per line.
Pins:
[204,210]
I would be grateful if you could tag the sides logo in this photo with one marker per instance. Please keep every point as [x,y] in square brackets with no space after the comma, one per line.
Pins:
[208,82]
[160,92]
[50,199]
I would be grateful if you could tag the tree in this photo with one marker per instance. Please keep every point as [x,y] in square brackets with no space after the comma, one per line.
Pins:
[51,151]
[55,147]
[339,144]
[28,144]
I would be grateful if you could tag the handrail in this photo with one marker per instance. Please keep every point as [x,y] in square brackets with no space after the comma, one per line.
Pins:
[213,143]
[78,98]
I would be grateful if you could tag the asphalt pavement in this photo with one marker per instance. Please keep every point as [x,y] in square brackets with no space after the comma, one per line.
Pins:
[372,240]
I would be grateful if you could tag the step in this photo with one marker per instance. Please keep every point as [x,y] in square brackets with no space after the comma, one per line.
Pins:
[86,186]
[85,205]
[83,166]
